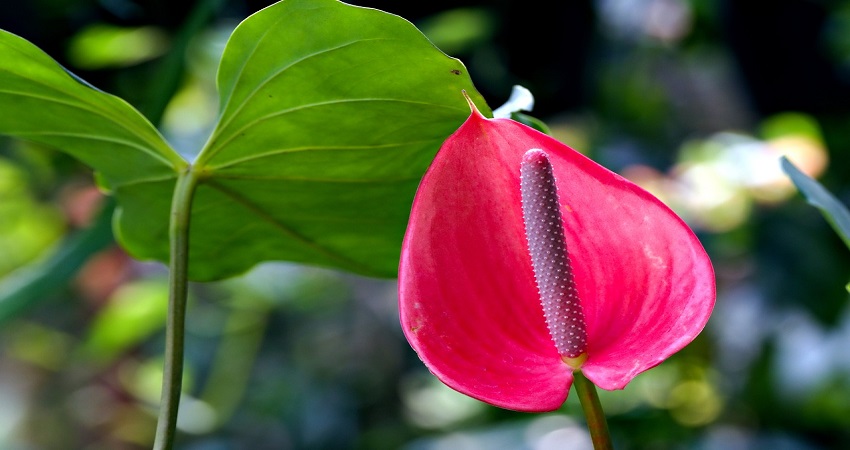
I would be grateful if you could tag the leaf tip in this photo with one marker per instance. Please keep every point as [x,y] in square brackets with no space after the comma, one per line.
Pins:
[787,165]
[472,108]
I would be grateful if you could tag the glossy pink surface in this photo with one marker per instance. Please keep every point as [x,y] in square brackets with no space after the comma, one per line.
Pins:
[468,300]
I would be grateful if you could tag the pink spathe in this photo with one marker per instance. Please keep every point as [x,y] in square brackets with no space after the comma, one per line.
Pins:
[468,299]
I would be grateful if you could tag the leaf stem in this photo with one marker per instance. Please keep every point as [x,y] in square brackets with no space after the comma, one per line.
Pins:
[593,412]
[172,377]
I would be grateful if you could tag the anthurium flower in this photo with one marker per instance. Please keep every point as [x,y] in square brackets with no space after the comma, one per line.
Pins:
[600,276]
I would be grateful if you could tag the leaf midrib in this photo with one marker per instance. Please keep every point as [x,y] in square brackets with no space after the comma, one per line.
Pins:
[317,148]
[286,230]
[213,149]
[83,104]
[96,137]
[207,155]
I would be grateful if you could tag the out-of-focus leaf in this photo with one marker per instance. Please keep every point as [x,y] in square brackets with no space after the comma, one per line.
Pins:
[170,73]
[38,344]
[833,210]
[28,286]
[460,30]
[237,351]
[134,312]
[103,45]
[532,122]
[791,124]
[27,226]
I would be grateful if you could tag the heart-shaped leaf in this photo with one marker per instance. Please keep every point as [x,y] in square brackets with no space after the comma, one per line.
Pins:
[330,115]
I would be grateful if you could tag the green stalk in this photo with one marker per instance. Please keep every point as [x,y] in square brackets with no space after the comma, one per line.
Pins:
[172,377]
[593,412]
[160,93]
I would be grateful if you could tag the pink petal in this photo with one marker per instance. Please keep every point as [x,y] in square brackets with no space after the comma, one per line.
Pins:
[468,301]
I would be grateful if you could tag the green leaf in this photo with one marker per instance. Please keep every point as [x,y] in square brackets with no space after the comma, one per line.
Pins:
[103,45]
[833,210]
[42,102]
[532,122]
[331,114]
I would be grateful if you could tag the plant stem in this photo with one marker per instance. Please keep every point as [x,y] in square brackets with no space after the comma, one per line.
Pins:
[593,412]
[160,93]
[172,377]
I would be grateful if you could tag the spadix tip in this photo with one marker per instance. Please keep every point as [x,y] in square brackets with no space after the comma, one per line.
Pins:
[535,155]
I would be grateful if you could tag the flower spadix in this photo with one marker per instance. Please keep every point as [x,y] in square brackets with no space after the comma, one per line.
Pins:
[524,261]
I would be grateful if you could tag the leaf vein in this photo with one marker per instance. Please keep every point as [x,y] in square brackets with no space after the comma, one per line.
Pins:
[82,105]
[211,153]
[314,180]
[283,151]
[287,230]
[267,80]
[95,137]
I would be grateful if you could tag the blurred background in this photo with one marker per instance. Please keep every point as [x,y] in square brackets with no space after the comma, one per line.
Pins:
[693,99]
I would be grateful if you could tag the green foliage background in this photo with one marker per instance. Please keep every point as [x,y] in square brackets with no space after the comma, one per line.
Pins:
[291,356]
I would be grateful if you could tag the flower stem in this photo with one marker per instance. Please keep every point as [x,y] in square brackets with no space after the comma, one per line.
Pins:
[593,412]
[172,376]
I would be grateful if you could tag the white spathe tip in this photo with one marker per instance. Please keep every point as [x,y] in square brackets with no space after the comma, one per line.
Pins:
[520,100]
